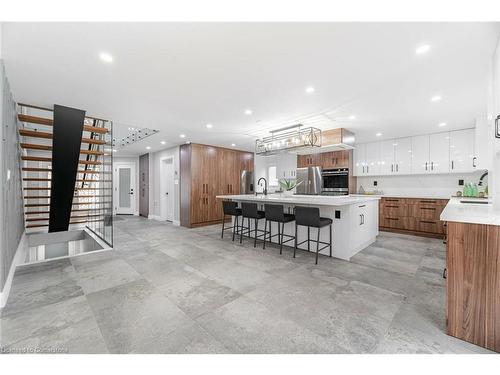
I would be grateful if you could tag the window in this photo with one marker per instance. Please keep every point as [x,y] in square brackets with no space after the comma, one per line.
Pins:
[271,176]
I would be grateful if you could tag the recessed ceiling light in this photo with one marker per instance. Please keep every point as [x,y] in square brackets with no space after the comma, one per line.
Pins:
[233,145]
[182,135]
[188,142]
[114,150]
[436,98]
[352,117]
[163,142]
[248,111]
[423,49]
[310,89]
[378,134]
[148,148]
[210,126]
[106,57]
[441,124]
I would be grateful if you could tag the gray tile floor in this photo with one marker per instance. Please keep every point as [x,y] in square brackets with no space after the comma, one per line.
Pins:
[165,289]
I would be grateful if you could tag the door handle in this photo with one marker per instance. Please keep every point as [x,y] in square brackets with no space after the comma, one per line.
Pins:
[474,161]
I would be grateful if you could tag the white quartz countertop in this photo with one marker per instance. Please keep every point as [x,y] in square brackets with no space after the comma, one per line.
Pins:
[319,200]
[407,195]
[473,213]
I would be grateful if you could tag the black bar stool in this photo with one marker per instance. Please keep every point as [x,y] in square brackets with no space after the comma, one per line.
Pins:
[230,209]
[309,217]
[250,211]
[275,213]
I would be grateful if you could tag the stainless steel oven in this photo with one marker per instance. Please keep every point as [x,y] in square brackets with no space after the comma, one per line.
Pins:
[335,181]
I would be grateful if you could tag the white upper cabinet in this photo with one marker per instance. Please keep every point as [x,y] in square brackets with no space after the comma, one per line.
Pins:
[462,157]
[439,153]
[420,154]
[402,155]
[286,166]
[387,157]
[431,153]
[359,155]
[372,159]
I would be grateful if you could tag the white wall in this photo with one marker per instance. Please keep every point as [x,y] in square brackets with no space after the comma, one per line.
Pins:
[154,180]
[438,186]
[135,160]
[493,112]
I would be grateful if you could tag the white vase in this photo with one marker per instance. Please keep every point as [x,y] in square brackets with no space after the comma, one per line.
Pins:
[288,192]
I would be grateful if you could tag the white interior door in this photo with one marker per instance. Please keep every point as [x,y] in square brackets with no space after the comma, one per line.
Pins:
[167,189]
[124,189]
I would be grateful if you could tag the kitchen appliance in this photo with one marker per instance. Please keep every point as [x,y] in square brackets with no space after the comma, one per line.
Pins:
[311,181]
[335,181]
[246,183]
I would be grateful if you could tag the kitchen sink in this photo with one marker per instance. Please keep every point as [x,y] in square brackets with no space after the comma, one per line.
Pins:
[475,202]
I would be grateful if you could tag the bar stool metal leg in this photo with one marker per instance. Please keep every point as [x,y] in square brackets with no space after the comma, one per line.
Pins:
[281,238]
[255,234]
[295,246]
[241,229]
[235,225]
[330,240]
[317,246]
[265,234]
[308,238]
[222,234]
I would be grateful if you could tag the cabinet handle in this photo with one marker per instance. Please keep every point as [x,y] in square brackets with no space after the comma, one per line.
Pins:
[427,208]
[425,165]
[445,273]
[367,168]
[360,219]
[453,165]
[497,130]
[392,200]
[427,222]
[432,165]
[474,162]
[391,206]
[363,218]
[392,167]
[364,205]
[363,169]
[397,167]
[433,202]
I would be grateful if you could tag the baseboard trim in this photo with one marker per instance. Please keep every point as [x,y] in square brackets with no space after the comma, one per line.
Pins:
[177,223]
[16,261]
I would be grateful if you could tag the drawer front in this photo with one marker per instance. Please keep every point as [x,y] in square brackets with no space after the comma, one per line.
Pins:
[392,222]
[394,209]
[393,200]
[431,226]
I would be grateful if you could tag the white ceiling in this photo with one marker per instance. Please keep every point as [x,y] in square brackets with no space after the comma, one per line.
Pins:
[177,77]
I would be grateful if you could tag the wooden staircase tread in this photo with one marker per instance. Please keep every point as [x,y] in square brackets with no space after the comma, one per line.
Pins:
[71,222]
[49,160]
[48,179]
[32,146]
[72,217]
[47,212]
[50,122]
[45,135]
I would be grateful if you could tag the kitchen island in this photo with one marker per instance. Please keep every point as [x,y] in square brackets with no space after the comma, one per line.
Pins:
[355,218]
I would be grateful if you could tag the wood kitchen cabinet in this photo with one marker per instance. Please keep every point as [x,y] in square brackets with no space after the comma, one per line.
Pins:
[473,283]
[311,160]
[325,160]
[205,172]
[413,216]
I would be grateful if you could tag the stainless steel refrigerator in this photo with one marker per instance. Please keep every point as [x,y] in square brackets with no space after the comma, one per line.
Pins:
[311,181]
[247,182]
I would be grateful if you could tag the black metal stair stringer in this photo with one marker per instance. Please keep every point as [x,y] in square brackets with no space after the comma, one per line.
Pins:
[66,142]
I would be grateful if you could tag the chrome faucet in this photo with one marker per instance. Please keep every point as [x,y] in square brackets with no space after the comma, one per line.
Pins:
[265,184]
[480,183]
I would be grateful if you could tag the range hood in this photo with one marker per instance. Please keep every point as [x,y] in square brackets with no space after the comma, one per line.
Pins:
[331,140]
[301,140]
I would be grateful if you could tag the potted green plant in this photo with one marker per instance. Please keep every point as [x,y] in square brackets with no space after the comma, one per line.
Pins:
[288,185]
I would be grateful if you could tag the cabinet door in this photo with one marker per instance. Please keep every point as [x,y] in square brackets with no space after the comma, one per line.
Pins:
[342,159]
[213,175]
[387,164]
[372,159]
[302,161]
[402,155]
[327,160]
[198,185]
[462,151]
[439,152]
[420,154]
[359,154]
